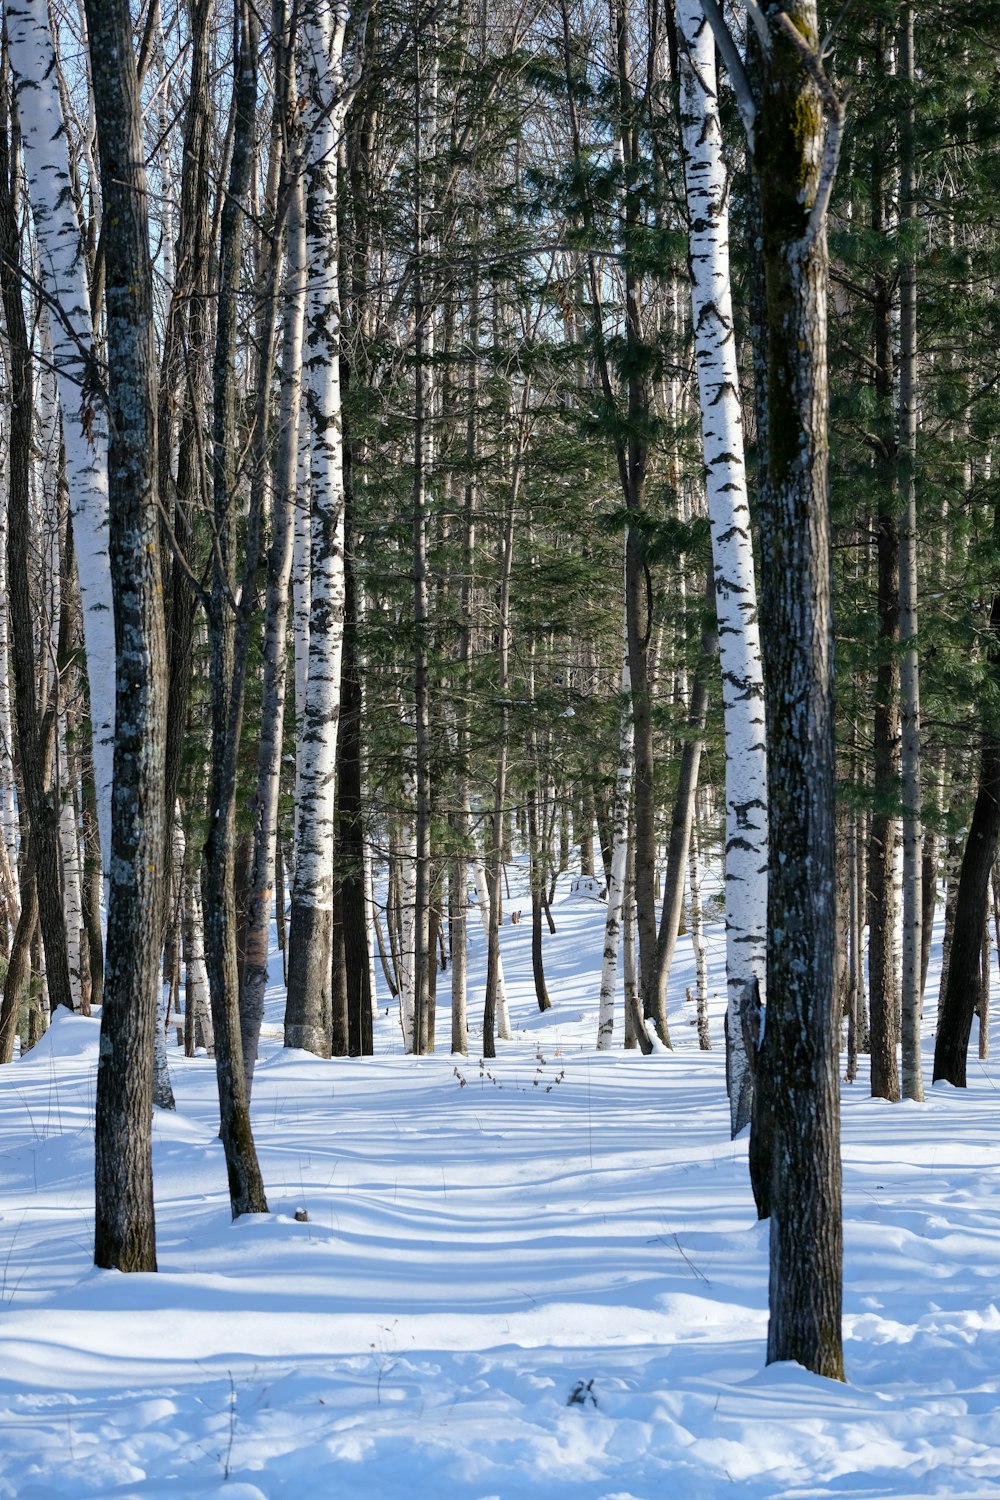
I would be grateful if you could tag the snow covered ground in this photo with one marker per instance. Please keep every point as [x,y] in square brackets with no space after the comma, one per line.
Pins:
[540,1278]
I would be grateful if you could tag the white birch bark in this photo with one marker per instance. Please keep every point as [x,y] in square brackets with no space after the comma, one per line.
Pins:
[69,848]
[696,925]
[8,801]
[307,1021]
[163,1093]
[619,862]
[726,494]
[64,277]
[197,1005]
[371,917]
[164,111]
[407,923]
[301,600]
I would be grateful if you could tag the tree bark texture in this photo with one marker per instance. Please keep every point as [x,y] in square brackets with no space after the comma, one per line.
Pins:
[307,1017]
[63,270]
[34,731]
[958,1003]
[124,1222]
[793,170]
[229,621]
[707,179]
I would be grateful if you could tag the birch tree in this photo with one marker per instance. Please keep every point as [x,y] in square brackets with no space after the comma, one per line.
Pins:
[619,861]
[706,180]
[64,278]
[794,122]
[325,94]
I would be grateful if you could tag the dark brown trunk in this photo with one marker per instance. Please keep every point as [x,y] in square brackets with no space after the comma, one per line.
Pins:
[32,734]
[972,898]
[799,1064]
[124,1237]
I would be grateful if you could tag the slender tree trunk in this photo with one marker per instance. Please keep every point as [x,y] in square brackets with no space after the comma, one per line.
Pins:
[912,978]
[493,966]
[34,735]
[681,823]
[707,181]
[279,566]
[229,624]
[459,877]
[307,1018]
[198,1030]
[63,267]
[183,384]
[698,943]
[350,808]
[423,319]
[19,961]
[961,991]
[124,1229]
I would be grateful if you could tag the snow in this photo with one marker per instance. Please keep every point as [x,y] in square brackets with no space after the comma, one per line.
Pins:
[536,1277]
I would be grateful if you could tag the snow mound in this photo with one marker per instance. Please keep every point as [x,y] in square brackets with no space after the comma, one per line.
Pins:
[68,1036]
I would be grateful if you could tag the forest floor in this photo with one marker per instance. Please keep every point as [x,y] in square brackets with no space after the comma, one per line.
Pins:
[541,1277]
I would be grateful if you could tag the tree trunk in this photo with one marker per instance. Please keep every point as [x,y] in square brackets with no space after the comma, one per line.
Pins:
[912,976]
[681,824]
[307,1022]
[958,1002]
[124,1221]
[34,736]
[698,942]
[229,626]
[19,962]
[279,566]
[63,271]
[794,162]
[619,862]
[706,178]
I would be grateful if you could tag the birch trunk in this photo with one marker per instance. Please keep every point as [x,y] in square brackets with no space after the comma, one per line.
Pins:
[197,1005]
[459,877]
[706,181]
[794,123]
[407,888]
[9,830]
[619,862]
[63,268]
[69,848]
[310,941]
[697,925]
